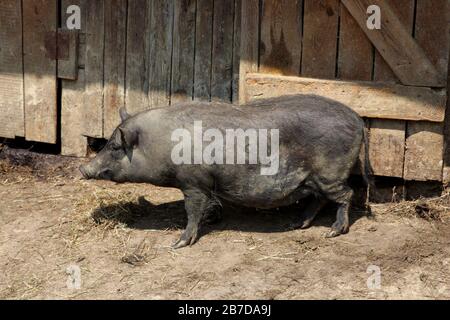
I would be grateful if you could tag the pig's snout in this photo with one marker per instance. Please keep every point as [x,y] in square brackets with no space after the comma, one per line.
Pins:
[85,172]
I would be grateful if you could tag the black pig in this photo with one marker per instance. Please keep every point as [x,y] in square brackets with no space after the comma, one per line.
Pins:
[314,144]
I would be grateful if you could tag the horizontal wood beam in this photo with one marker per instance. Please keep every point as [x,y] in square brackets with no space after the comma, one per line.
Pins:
[368,99]
[396,45]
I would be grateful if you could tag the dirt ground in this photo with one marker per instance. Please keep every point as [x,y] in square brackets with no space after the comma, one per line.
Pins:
[119,237]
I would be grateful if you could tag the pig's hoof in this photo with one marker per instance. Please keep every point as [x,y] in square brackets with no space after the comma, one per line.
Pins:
[337,230]
[186,239]
[303,224]
[180,244]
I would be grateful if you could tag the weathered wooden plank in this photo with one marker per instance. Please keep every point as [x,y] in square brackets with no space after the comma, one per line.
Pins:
[369,99]
[249,43]
[406,58]
[203,45]
[161,28]
[94,68]
[388,136]
[138,53]
[11,70]
[387,147]
[40,24]
[320,33]
[404,11]
[355,60]
[222,51]
[68,59]
[424,150]
[73,143]
[236,49]
[281,37]
[425,141]
[183,51]
[433,32]
[114,77]
[73,117]
[446,171]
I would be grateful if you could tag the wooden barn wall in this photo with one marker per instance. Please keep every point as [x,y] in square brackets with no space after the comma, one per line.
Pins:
[320,39]
[144,54]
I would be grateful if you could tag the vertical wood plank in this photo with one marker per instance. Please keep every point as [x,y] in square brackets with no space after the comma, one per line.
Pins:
[73,143]
[446,171]
[94,68]
[138,54]
[73,117]
[355,56]
[387,137]
[281,37]
[203,45]
[425,141]
[236,49]
[321,18]
[222,51]
[11,70]
[355,60]
[40,24]
[161,28]
[114,87]
[249,43]
[183,51]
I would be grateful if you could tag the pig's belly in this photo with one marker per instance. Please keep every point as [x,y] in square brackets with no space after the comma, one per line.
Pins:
[266,192]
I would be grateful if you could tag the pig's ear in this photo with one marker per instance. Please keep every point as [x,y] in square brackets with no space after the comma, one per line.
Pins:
[123,114]
[129,138]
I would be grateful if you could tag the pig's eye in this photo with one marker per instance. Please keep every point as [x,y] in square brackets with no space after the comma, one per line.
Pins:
[116,147]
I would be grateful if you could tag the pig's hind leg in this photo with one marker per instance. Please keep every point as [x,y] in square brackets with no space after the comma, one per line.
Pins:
[341,194]
[197,205]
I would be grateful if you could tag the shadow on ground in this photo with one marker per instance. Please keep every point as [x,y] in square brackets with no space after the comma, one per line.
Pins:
[144,215]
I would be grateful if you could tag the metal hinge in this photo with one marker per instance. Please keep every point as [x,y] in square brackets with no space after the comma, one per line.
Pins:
[62,46]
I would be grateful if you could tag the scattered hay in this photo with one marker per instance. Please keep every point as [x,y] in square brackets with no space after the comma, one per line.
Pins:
[110,209]
[430,209]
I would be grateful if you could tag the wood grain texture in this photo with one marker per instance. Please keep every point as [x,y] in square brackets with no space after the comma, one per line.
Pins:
[161,27]
[222,51]
[68,61]
[249,43]
[73,116]
[39,38]
[281,37]
[320,34]
[94,68]
[11,70]
[369,99]
[236,49]
[394,42]
[137,57]
[404,11]
[355,59]
[183,51]
[114,64]
[388,136]
[425,141]
[73,143]
[424,152]
[203,45]
[387,147]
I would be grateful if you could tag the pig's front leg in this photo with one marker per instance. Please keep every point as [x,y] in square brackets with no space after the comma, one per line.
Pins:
[197,205]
